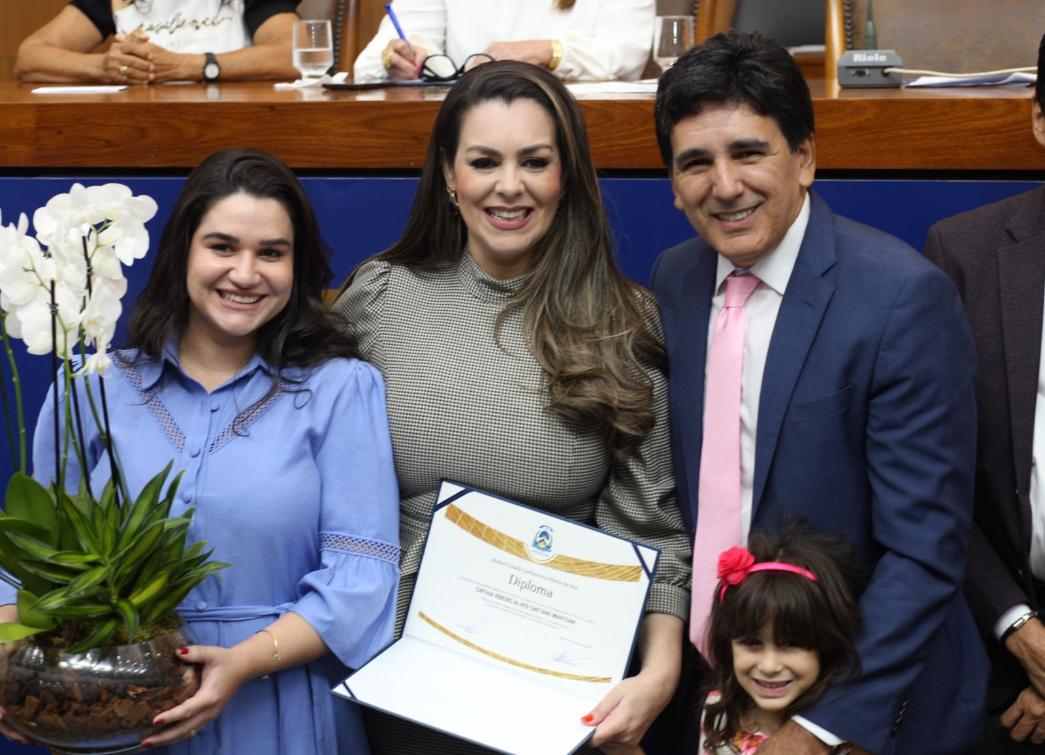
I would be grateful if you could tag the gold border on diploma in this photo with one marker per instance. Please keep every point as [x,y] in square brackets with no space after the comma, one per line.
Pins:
[511,661]
[559,562]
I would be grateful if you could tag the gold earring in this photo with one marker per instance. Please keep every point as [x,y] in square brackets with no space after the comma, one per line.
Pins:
[451,192]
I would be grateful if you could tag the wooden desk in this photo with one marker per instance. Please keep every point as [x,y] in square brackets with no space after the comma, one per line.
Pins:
[162,127]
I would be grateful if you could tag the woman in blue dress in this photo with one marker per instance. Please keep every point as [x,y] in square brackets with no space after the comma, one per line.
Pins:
[236,372]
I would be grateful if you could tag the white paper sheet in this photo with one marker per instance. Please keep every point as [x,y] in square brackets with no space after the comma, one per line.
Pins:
[92,89]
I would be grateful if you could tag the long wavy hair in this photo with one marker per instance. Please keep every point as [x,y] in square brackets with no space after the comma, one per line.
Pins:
[304,333]
[587,326]
[822,616]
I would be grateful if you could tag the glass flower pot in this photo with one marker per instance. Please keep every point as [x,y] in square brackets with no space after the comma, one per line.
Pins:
[100,701]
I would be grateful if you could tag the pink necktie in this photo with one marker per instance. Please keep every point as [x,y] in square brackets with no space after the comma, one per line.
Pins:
[718,502]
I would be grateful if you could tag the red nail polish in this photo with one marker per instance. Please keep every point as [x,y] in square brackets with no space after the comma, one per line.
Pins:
[146,745]
[157,722]
[587,719]
[183,651]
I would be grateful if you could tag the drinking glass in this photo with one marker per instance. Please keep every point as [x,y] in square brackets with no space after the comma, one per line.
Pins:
[672,36]
[313,48]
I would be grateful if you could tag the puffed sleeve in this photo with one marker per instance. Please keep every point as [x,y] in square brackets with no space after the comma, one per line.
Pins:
[639,502]
[423,22]
[617,48]
[350,599]
[362,305]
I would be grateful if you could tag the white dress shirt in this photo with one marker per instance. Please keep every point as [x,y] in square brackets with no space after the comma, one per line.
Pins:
[601,39]
[774,270]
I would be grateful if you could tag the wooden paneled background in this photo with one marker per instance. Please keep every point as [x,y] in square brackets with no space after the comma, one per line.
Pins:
[17,19]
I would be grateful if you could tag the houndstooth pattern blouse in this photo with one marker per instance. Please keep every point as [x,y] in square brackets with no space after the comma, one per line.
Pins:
[463,408]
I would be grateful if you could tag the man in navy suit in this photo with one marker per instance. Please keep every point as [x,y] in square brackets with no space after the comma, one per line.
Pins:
[856,410]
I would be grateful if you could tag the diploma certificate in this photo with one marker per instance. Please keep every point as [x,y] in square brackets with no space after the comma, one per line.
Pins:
[520,622]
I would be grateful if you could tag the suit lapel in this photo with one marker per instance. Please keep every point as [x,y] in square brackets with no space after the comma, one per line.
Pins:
[688,362]
[801,311]
[1021,273]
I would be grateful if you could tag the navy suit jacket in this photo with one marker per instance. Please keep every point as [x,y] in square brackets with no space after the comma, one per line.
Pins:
[867,429]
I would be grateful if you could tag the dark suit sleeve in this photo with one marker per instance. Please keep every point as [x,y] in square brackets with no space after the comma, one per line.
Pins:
[989,585]
[920,452]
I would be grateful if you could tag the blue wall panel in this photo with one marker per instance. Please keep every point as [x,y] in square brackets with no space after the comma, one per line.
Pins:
[360,216]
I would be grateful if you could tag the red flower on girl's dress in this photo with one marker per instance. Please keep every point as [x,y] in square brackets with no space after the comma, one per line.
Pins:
[734,564]
[747,742]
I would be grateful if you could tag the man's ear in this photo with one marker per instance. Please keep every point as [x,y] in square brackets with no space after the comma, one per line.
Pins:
[807,167]
[1037,120]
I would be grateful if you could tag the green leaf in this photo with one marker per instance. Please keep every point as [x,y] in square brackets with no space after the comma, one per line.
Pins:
[99,636]
[11,631]
[28,499]
[55,575]
[87,581]
[57,598]
[81,610]
[10,523]
[75,559]
[132,552]
[130,618]
[145,504]
[30,616]
[148,592]
[32,546]
[81,525]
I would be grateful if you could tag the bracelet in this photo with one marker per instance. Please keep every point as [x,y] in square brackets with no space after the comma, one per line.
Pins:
[556,54]
[275,644]
[1017,624]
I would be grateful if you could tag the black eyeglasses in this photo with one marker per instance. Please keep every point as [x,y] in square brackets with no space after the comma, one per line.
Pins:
[442,67]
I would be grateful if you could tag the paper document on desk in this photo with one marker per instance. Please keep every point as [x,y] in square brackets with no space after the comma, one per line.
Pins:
[987,80]
[92,89]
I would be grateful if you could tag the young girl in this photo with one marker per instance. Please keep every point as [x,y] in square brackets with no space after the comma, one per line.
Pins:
[780,635]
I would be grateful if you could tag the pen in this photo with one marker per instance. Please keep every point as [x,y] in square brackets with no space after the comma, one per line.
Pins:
[395,22]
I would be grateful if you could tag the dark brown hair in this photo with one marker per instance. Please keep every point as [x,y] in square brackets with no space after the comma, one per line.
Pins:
[304,333]
[735,67]
[822,616]
[586,324]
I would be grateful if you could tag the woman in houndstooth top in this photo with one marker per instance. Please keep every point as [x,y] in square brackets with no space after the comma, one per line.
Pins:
[519,360]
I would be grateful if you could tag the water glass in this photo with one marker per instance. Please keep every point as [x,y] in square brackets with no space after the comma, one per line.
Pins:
[672,36]
[313,48]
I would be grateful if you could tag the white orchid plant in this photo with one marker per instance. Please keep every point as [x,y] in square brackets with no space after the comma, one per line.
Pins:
[61,289]
[88,568]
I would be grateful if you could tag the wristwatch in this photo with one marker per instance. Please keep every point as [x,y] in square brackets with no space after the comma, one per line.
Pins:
[211,67]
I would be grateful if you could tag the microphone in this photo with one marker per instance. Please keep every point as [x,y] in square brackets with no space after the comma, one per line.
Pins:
[868,67]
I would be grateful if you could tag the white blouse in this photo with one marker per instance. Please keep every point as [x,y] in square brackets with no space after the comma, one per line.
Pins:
[601,39]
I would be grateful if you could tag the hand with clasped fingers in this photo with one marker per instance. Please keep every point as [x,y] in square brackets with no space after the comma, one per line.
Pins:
[1025,718]
[127,61]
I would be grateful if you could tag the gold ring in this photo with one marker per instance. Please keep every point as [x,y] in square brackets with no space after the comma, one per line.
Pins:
[123,70]
[386,58]
[194,732]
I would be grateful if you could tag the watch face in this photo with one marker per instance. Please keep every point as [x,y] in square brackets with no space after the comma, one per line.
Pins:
[211,71]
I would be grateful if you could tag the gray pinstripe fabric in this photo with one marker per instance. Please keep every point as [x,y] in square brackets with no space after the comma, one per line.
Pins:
[462,408]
